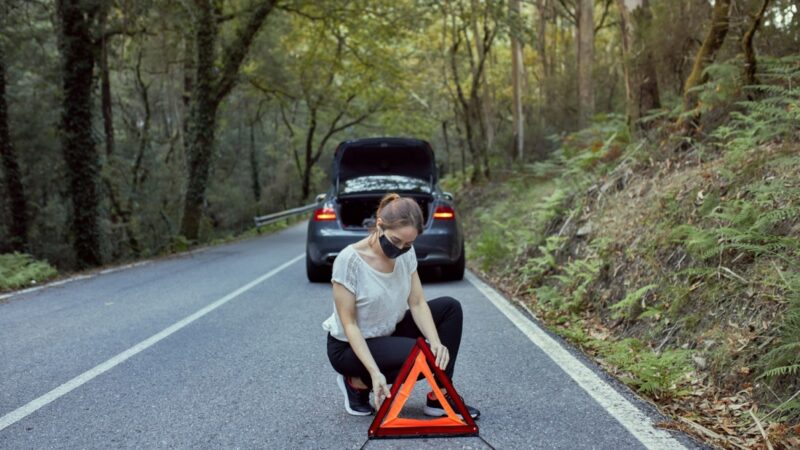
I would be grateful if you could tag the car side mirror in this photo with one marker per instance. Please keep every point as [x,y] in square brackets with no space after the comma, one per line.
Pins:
[448,196]
[320,197]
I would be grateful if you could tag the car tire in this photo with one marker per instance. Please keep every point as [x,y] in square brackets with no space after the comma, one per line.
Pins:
[315,273]
[455,272]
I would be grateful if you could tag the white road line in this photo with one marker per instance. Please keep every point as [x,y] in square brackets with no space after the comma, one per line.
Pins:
[23,411]
[53,284]
[612,401]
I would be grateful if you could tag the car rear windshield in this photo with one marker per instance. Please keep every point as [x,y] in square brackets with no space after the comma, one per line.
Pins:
[384,183]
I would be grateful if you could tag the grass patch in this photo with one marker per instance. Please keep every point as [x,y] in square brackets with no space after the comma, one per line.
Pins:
[18,270]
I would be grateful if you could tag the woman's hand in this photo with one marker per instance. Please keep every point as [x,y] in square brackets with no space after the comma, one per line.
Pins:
[379,389]
[441,354]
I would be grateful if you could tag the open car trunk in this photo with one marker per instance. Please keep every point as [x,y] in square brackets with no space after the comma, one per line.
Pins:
[357,211]
[367,169]
[381,157]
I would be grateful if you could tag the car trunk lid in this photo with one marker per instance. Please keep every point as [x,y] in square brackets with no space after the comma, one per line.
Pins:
[384,156]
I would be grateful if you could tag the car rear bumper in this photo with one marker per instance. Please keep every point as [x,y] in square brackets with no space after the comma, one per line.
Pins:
[440,244]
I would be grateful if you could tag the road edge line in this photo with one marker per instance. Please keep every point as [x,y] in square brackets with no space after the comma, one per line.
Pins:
[627,414]
[41,401]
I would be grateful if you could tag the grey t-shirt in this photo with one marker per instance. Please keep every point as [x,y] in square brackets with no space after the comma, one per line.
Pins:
[381,298]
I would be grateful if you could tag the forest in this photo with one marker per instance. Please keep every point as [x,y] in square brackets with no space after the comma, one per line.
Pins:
[137,128]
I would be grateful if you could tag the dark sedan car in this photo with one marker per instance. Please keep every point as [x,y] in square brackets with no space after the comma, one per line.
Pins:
[364,170]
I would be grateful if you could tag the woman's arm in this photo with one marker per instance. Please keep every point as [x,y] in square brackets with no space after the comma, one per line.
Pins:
[346,307]
[421,314]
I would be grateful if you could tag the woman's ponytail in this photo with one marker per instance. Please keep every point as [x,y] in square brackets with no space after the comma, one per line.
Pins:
[388,198]
[396,211]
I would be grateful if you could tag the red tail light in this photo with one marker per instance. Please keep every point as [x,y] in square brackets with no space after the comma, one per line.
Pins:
[444,212]
[321,214]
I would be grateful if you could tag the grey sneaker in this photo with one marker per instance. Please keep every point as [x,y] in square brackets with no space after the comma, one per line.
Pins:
[356,401]
[434,408]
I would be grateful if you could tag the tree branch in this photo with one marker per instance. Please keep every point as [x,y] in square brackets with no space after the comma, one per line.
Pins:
[270,91]
[567,13]
[236,52]
[333,129]
[306,15]
[603,17]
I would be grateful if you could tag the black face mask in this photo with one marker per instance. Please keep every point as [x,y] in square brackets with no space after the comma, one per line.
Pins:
[389,249]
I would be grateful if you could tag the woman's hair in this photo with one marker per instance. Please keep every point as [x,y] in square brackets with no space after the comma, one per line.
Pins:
[397,212]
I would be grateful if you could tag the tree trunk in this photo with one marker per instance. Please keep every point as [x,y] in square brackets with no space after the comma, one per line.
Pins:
[256,184]
[545,86]
[705,55]
[585,13]
[448,166]
[626,34]
[516,82]
[466,110]
[641,83]
[208,92]
[484,101]
[77,49]
[13,178]
[312,128]
[650,97]
[541,36]
[202,118]
[461,147]
[105,94]
[189,68]
[749,71]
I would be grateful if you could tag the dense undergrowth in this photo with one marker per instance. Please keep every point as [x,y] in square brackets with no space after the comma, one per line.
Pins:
[673,261]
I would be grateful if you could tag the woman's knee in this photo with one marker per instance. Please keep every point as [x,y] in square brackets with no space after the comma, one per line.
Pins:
[391,352]
[447,303]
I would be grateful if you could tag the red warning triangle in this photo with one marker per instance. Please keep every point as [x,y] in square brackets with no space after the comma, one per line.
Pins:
[387,424]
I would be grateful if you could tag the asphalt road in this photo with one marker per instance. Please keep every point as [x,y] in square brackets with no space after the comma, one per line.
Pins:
[223,348]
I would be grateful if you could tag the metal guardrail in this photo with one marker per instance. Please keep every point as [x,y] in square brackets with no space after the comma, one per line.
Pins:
[269,218]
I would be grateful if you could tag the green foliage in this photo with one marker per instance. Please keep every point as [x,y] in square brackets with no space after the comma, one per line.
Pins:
[624,307]
[660,375]
[574,332]
[501,242]
[179,244]
[575,279]
[19,270]
[722,88]
[455,181]
[492,246]
[553,206]
[573,282]
[783,361]
[605,130]
[701,244]
[754,226]
[773,115]
[535,268]
[655,374]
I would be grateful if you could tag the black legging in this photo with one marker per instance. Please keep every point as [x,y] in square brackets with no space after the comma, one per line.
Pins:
[390,352]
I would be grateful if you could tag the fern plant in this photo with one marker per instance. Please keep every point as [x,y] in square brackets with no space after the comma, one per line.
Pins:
[534,268]
[660,375]
[624,307]
[20,269]
[774,115]
[784,359]
[567,291]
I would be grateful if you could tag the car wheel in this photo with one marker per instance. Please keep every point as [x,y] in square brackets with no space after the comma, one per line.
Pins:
[315,273]
[455,271]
